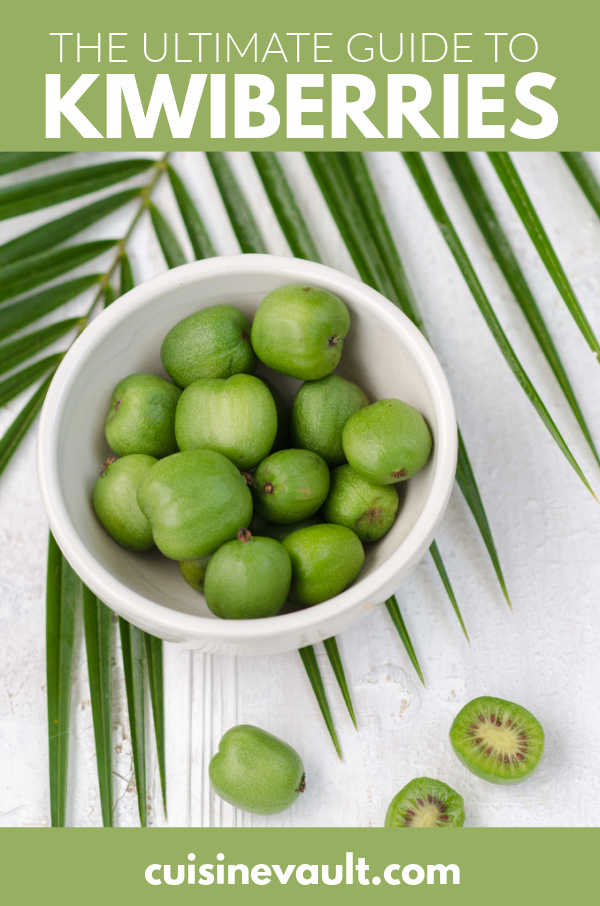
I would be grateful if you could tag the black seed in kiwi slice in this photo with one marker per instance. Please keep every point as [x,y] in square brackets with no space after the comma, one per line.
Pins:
[497,739]
[425,802]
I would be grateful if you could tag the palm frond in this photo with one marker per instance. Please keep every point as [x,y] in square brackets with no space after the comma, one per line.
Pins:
[17,351]
[154,662]
[331,177]
[584,175]
[125,275]
[25,274]
[425,184]
[443,574]
[465,478]
[500,247]
[63,592]
[284,205]
[335,659]
[199,238]
[132,649]
[22,380]
[366,196]
[168,242]
[109,295]
[240,214]
[97,621]
[396,616]
[18,428]
[56,231]
[25,311]
[517,193]
[19,275]
[19,160]
[35,194]
[309,660]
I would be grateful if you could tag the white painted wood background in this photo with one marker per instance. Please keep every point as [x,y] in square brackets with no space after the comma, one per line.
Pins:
[545,654]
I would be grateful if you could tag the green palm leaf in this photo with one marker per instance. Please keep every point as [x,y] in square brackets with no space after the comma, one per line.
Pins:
[125,275]
[18,428]
[97,622]
[425,184]
[361,185]
[19,314]
[63,592]
[439,565]
[19,160]
[17,383]
[17,351]
[199,238]
[364,190]
[332,179]
[583,173]
[242,219]
[154,662]
[19,276]
[517,193]
[396,617]
[34,194]
[339,193]
[335,659]
[57,231]
[132,648]
[284,205]
[109,295]
[168,242]
[465,478]
[309,659]
[483,212]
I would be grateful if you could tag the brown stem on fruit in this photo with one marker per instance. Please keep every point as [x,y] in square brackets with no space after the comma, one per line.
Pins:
[248,478]
[399,474]
[268,488]
[302,786]
[333,341]
[244,535]
[107,462]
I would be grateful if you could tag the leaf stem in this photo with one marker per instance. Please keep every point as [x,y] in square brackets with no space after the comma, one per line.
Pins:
[158,169]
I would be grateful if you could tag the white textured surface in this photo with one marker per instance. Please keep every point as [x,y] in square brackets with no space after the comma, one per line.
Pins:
[544,654]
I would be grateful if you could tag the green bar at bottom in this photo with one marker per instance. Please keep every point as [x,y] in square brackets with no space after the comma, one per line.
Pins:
[492,866]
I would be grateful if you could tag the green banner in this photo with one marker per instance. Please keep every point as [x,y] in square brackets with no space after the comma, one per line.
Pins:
[341,75]
[270,866]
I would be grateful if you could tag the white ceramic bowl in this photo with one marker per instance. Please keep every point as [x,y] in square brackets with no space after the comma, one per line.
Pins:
[384,353]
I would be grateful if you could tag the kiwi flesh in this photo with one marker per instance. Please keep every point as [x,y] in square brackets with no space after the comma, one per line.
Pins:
[497,739]
[425,802]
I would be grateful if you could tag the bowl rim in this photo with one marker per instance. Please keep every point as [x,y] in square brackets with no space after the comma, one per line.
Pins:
[134,606]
